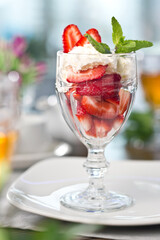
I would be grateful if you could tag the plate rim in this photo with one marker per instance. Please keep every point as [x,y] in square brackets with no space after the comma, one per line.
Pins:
[148,221]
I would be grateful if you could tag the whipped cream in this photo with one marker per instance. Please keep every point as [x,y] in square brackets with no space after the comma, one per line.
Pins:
[87,57]
[126,68]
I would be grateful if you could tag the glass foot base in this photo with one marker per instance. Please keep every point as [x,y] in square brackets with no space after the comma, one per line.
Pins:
[87,201]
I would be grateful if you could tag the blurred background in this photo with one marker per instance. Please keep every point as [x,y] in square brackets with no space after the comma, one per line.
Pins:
[42,22]
[30,36]
[39,26]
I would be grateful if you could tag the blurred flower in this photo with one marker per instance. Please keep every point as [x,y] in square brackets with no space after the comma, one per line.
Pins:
[41,69]
[19,46]
[13,58]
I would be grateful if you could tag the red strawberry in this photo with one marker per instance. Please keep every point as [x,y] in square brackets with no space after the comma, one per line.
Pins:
[102,127]
[107,86]
[85,75]
[99,108]
[94,34]
[70,37]
[125,98]
[80,110]
[75,94]
[114,100]
[118,122]
[84,118]
[91,132]
[113,85]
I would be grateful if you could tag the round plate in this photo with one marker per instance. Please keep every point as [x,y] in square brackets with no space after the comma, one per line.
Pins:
[39,189]
[25,160]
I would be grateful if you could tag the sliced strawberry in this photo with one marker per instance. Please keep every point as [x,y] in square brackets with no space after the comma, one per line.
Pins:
[80,110]
[107,86]
[118,122]
[84,118]
[86,122]
[77,96]
[82,76]
[83,40]
[125,98]
[114,100]
[68,93]
[94,34]
[91,132]
[102,127]
[113,87]
[71,35]
[99,108]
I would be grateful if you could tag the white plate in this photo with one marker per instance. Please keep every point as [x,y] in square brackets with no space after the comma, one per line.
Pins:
[25,160]
[38,191]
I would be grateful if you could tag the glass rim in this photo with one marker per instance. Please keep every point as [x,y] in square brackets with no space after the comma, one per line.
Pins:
[60,53]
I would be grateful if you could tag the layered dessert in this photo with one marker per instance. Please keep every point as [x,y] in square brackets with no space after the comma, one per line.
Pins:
[96,87]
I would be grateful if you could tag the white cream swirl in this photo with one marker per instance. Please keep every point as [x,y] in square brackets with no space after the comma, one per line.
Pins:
[87,57]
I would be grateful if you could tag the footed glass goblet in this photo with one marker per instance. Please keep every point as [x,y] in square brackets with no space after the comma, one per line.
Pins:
[96,93]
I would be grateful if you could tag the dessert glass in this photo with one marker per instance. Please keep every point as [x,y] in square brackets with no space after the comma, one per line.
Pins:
[95,110]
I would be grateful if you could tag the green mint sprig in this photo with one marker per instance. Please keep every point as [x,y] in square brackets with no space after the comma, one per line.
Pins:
[117,34]
[121,44]
[100,47]
[125,46]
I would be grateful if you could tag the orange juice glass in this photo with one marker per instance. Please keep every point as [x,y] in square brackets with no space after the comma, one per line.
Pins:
[8,124]
[150,78]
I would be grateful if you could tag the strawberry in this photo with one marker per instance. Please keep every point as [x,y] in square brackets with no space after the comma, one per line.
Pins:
[86,122]
[125,98]
[75,94]
[71,35]
[85,75]
[114,100]
[91,131]
[118,122]
[80,110]
[107,86]
[99,108]
[94,34]
[102,127]
[83,40]
[84,118]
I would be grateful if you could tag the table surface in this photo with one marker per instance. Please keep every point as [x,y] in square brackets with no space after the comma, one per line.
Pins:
[15,218]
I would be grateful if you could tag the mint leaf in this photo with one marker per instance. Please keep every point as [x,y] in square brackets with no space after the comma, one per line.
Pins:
[100,47]
[132,45]
[122,45]
[122,40]
[126,47]
[117,34]
[142,44]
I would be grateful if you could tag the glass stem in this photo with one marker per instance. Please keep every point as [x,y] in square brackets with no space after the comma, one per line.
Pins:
[96,166]
[156,129]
